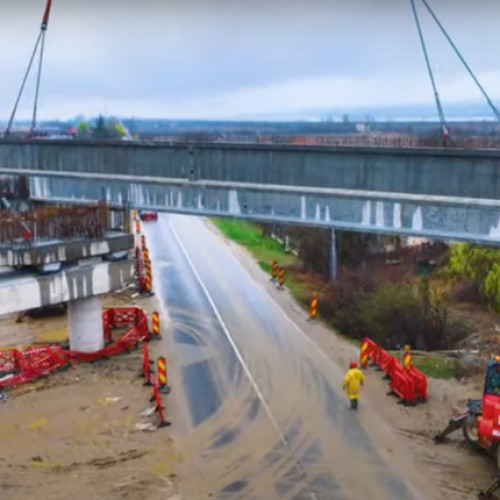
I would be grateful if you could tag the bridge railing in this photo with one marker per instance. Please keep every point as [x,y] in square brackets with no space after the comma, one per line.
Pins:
[347,140]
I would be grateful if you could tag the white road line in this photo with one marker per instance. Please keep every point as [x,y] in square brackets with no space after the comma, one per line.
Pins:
[228,335]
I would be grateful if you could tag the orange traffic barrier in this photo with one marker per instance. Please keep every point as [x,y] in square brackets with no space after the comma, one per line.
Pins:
[137,227]
[313,305]
[134,214]
[281,277]
[143,242]
[155,325]
[164,388]
[274,270]
[145,253]
[407,358]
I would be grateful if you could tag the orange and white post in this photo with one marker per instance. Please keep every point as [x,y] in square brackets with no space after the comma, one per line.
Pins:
[281,277]
[148,278]
[137,227]
[155,326]
[161,365]
[274,270]
[407,358]
[363,354]
[313,305]
[143,242]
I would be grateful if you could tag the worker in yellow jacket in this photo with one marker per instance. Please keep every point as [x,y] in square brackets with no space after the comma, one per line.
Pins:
[353,381]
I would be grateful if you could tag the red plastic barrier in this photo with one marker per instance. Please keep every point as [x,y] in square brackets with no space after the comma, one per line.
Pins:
[157,399]
[386,362]
[419,381]
[18,367]
[146,364]
[372,350]
[402,385]
[8,361]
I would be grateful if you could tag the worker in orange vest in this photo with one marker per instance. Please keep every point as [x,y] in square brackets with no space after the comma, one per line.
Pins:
[353,381]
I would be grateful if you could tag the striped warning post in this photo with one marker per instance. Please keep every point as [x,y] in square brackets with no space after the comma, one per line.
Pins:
[274,270]
[407,358]
[313,305]
[143,242]
[363,355]
[145,253]
[281,277]
[137,227]
[155,325]
[163,386]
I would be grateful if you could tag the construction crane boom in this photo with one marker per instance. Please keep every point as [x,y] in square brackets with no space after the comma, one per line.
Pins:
[40,38]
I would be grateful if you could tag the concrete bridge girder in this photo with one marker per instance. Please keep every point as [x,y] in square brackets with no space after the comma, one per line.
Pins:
[436,193]
[391,213]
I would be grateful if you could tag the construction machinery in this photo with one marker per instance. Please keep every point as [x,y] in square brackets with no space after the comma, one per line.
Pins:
[480,423]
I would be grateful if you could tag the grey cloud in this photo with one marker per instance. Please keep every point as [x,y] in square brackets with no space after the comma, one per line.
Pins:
[171,50]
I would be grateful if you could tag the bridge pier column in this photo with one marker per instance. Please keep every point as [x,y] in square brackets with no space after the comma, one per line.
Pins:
[333,255]
[85,324]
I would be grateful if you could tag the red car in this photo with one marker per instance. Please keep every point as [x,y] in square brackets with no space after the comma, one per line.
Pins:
[148,216]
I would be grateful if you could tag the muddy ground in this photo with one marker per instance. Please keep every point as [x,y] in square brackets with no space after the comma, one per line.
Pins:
[80,434]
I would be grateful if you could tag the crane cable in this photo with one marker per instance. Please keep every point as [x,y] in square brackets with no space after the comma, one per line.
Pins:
[446,134]
[40,38]
[462,59]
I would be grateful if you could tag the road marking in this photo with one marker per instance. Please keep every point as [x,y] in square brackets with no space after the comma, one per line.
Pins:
[228,335]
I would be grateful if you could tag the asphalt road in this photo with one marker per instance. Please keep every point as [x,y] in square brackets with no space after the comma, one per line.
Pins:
[264,415]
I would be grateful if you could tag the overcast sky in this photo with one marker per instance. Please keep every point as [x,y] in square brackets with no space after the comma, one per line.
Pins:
[240,58]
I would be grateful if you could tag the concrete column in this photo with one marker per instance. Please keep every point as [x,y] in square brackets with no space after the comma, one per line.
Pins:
[333,256]
[85,324]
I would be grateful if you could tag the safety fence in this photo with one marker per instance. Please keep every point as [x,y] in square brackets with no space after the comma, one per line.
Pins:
[407,382]
[61,223]
[18,367]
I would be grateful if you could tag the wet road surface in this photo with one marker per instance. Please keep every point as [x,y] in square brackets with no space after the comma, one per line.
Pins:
[261,414]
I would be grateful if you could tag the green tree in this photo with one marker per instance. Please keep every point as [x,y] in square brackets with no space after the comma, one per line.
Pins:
[83,128]
[119,130]
[100,131]
[479,265]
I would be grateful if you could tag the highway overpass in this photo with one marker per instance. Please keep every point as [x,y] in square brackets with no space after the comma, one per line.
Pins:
[437,193]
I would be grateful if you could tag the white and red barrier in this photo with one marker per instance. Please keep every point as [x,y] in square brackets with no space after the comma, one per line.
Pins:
[409,384]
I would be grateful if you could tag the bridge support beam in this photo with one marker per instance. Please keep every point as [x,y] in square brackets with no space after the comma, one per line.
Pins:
[333,255]
[85,324]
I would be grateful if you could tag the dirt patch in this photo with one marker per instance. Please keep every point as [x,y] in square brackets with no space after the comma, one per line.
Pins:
[82,432]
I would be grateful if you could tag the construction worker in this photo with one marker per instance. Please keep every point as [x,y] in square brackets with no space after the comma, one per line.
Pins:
[353,381]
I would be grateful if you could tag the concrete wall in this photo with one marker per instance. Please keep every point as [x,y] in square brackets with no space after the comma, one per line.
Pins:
[21,291]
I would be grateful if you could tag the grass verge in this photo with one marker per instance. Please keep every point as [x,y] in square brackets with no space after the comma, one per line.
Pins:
[266,250]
